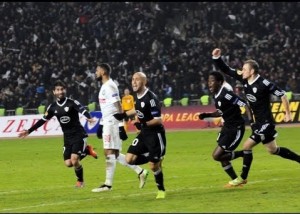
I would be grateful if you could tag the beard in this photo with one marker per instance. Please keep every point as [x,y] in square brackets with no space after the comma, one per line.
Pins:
[99,78]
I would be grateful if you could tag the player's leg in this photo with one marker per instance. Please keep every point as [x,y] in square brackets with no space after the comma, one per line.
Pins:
[111,144]
[248,157]
[78,146]
[142,173]
[283,152]
[156,145]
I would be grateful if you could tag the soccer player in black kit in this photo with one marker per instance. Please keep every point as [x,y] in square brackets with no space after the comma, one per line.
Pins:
[75,137]
[227,105]
[150,144]
[258,90]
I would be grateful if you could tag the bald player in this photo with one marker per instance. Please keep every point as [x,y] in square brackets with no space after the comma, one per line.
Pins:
[150,144]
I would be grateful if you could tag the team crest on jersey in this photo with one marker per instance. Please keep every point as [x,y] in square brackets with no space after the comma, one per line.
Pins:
[254,89]
[142,104]
[66,109]
[219,103]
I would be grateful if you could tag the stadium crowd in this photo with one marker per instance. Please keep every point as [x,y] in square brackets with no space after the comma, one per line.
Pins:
[170,41]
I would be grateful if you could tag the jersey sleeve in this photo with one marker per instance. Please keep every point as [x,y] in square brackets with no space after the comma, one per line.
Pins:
[113,94]
[81,109]
[155,108]
[273,88]
[48,114]
[235,99]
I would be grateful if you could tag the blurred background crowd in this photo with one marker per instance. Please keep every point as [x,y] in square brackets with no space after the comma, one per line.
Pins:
[170,41]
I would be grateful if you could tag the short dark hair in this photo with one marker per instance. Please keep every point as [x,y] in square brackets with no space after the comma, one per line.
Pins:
[218,76]
[253,64]
[106,67]
[59,83]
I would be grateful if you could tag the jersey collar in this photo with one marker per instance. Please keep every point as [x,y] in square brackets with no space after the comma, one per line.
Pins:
[250,83]
[139,97]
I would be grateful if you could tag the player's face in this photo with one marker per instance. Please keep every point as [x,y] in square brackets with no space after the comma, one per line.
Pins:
[98,73]
[213,85]
[59,92]
[247,71]
[137,83]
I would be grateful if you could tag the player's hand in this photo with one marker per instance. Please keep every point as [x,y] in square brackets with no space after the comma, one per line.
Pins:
[99,131]
[203,115]
[122,133]
[120,116]
[23,134]
[216,52]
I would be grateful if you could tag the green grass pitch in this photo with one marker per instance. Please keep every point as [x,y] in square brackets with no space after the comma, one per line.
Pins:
[34,179]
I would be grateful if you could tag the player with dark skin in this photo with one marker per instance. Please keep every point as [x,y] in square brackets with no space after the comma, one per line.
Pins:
[228,107]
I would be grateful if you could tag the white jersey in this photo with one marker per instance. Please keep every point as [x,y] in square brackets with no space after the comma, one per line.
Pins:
[108,96]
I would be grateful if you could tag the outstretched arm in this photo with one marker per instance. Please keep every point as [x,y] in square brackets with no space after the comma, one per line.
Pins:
[210,114]
[38,124]
[216,56]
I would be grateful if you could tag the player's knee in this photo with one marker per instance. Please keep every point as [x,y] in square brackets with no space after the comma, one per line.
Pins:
[68,163]
[129,159]
[154,166]
[216,157]
[272,150]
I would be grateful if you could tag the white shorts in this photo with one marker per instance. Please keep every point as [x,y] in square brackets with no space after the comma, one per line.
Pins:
[110,135]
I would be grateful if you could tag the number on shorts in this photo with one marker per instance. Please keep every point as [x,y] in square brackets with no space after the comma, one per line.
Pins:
[135,141]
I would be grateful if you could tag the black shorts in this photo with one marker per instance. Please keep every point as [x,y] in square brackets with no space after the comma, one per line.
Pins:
[74,143]
[264,133]
[230,138]
[150,144]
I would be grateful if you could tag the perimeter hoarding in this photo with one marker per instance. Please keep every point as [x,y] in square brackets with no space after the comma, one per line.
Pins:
[174,118]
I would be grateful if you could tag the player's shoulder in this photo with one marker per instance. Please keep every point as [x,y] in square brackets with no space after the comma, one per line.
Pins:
[151,94]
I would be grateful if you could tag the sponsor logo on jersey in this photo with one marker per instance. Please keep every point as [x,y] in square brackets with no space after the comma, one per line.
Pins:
[115,95]
[139,114]
[64,119]
[251,98]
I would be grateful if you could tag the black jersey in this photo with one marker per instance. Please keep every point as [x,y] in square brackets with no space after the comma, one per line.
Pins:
[228,105]
[147,108]
[257,92]
[67,115]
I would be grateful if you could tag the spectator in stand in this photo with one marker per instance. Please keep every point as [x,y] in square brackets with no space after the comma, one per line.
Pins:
[55,40]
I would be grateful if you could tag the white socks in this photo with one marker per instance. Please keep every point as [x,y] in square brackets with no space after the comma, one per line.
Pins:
[110,169]
[136,168]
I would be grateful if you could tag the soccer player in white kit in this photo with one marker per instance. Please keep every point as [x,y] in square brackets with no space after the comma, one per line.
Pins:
[110,104]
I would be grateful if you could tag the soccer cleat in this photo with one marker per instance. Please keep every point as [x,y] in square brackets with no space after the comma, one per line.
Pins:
[102,188]
[161,194]
[238,182]
[79,184]
[92,151]
[143,177]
